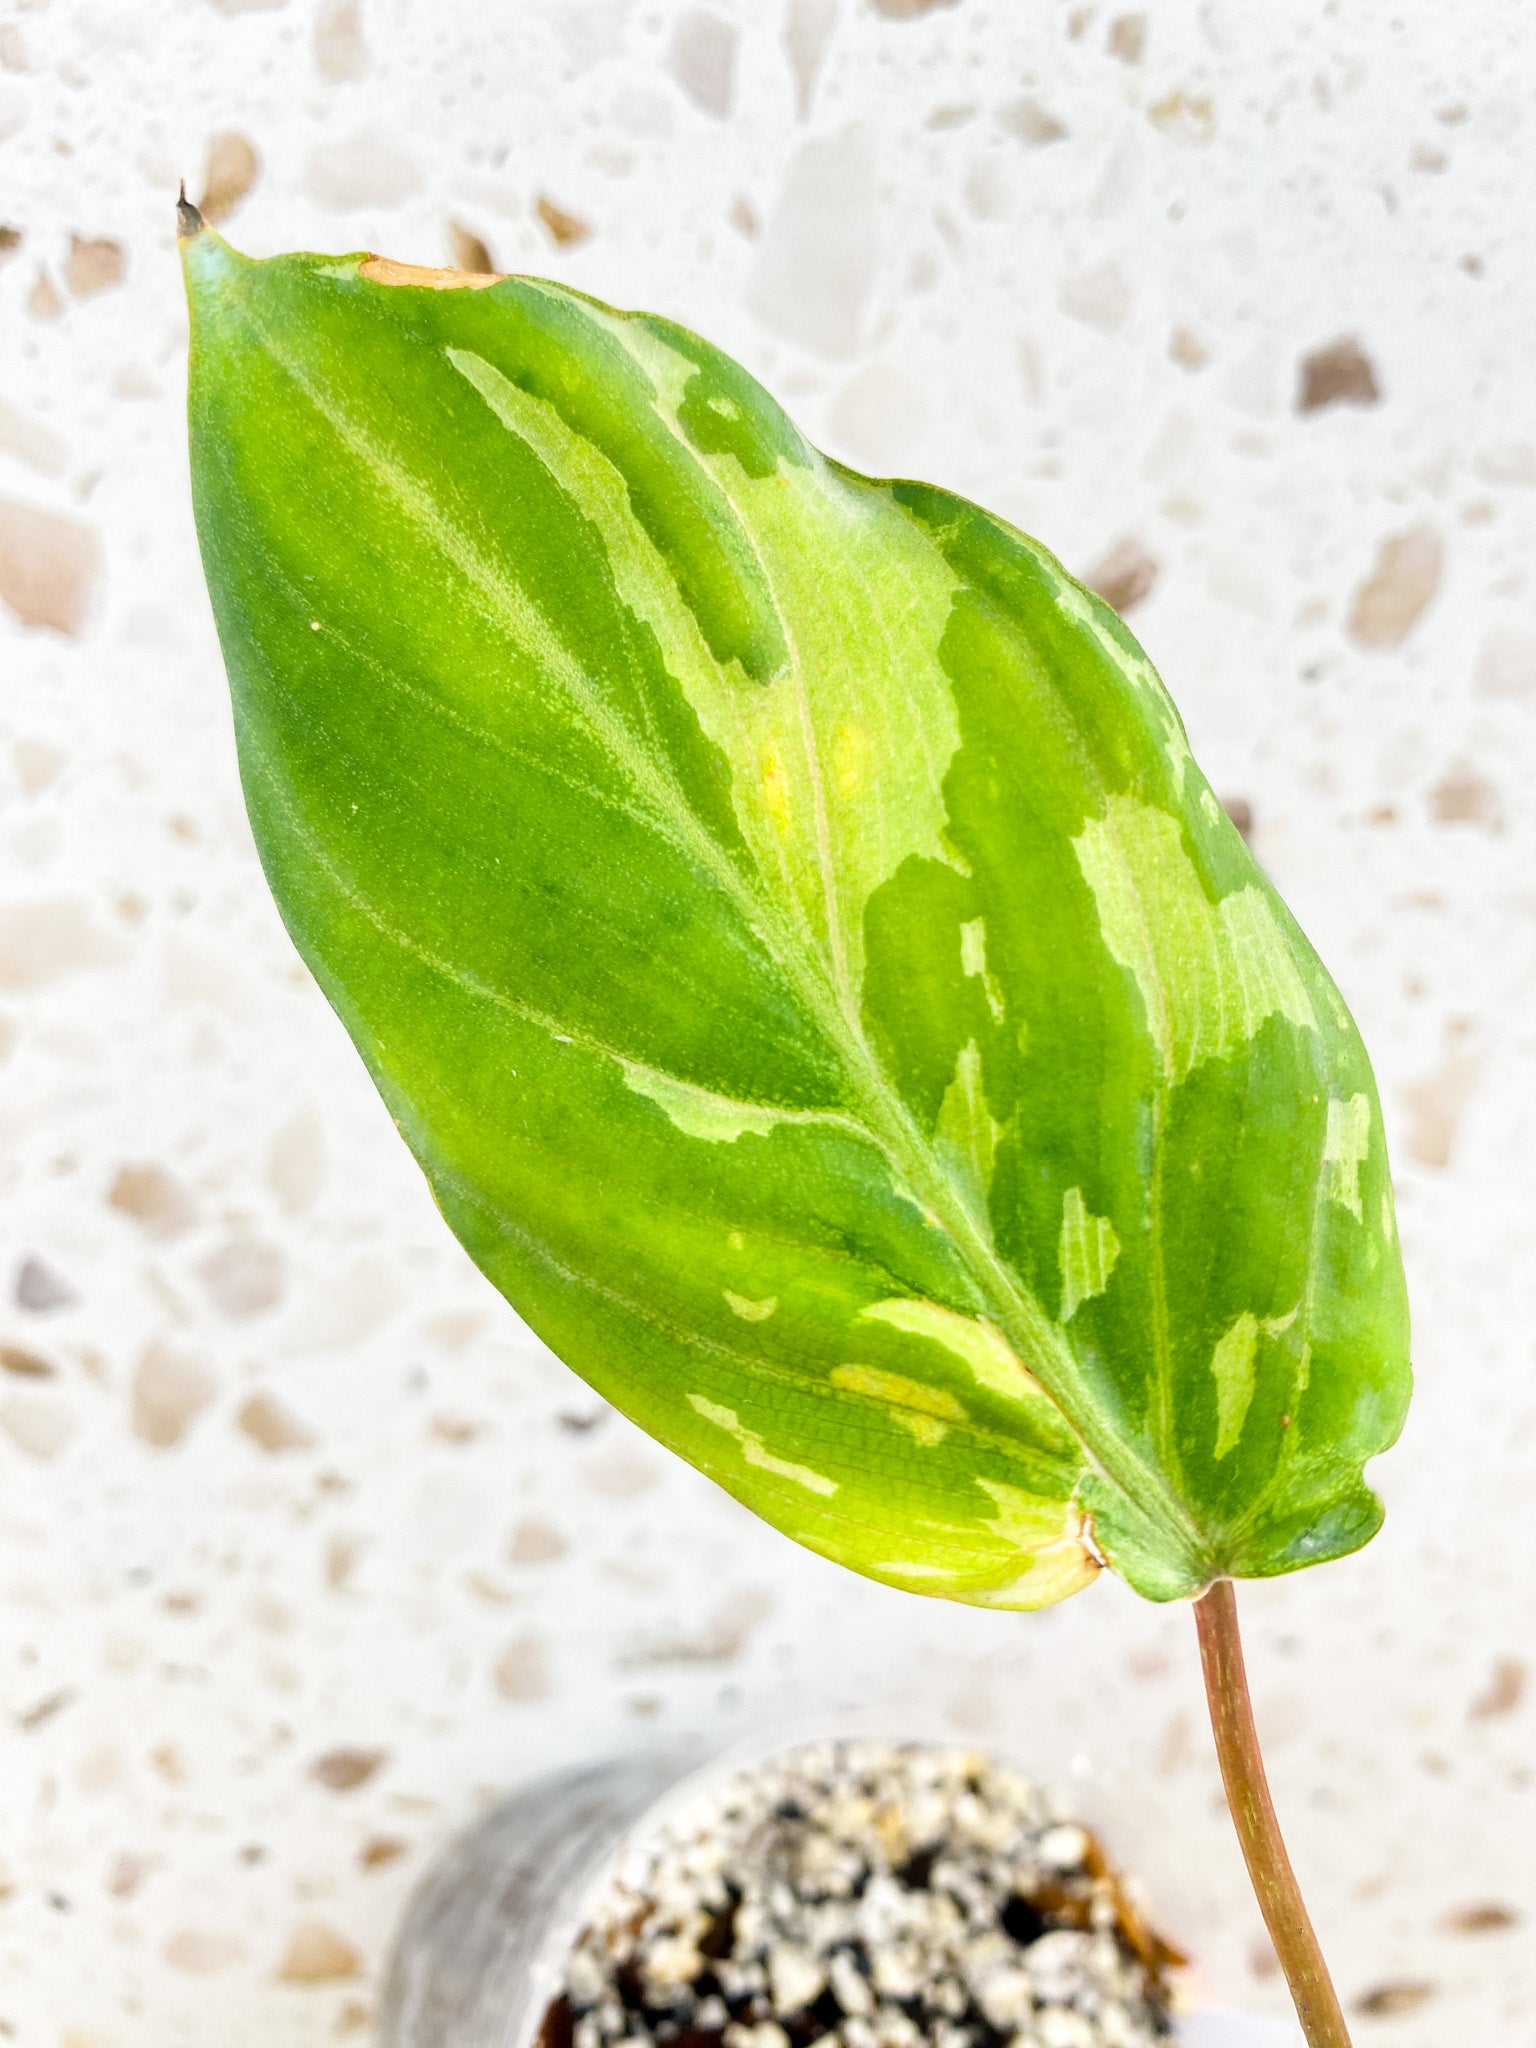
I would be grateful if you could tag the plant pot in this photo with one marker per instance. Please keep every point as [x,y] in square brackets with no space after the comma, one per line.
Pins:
[482,1950]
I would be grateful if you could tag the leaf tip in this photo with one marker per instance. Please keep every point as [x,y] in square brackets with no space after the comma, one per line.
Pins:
[189,222]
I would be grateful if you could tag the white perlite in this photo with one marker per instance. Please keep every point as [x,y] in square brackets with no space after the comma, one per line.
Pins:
[865,1895]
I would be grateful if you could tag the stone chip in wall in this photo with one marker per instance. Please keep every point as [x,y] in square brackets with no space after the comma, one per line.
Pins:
[345,1770]
[41,1424]
[1339,374]
[46,941]
[372,169]
[233,168]
[341,55]
[94,265]
[808,30]
[317,1954]
[152,1198]
[468,251]
[1124,576]
[49,564]
[40,1288]
[815,265]
[522,1671]
[1099,297]
[31,442]
[171,1389]
[1506,664]
[244,1278]
[1392,599]
[702,58]
[565,229]
[1031,123]
[271,1426]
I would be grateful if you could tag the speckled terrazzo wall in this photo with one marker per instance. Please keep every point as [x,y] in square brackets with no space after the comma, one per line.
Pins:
[306,1547]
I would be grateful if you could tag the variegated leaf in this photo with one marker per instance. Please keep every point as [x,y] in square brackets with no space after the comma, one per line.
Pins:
[782,913]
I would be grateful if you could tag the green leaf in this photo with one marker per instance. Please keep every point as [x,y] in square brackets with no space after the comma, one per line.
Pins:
[782,914]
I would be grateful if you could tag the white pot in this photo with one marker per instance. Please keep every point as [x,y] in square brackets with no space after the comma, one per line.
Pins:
[481,1953]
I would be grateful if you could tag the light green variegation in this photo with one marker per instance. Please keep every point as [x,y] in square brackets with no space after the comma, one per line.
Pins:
[783,915]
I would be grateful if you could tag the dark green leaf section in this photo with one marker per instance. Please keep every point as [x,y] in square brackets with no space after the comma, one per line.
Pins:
[782,915]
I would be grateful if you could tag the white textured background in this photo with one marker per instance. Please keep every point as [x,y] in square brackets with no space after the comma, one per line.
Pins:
[282,1484]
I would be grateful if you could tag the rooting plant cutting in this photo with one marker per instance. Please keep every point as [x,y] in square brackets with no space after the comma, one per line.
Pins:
[784,918]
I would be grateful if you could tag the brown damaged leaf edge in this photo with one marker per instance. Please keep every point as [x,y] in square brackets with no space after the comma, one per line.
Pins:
[384,270]
[377,269]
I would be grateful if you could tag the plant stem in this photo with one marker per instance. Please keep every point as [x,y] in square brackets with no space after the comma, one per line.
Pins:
[1253,1815]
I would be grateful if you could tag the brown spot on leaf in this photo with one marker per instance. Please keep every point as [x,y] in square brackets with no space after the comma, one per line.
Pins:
[1486,1917]
[157,1202]
[565,228]
[93,265]
[233,168]
[1390,2001]
[1340,374]
[244,1278]
[1124,576]
[10,241]
[381,1850]
[1390,601]
[49,563]
[170,1391]
[1128,38]
[318,1955]
[469,251]
[343,1770]
[268,1423]
[1502,1694]
[522,1671]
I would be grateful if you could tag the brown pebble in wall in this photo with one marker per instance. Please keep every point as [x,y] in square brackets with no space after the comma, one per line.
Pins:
[49,563]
